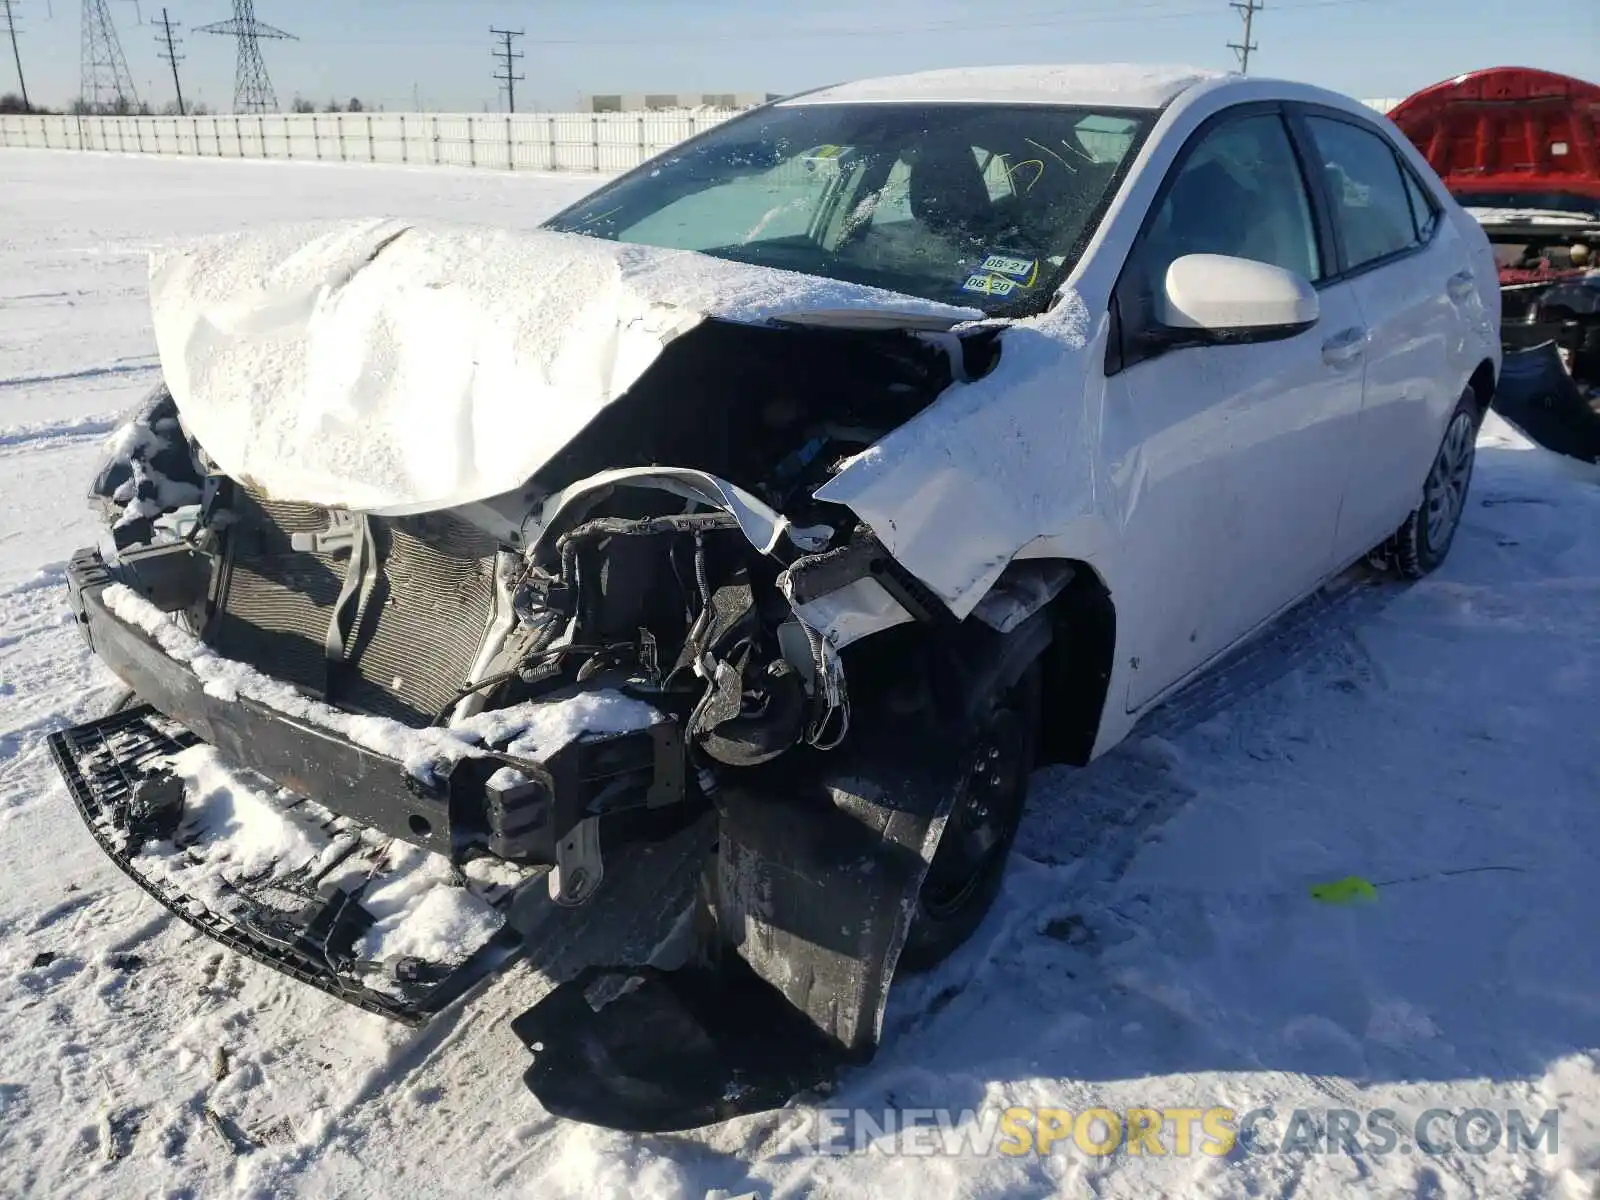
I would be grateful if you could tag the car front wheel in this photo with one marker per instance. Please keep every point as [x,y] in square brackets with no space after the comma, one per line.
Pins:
[1421,543]
[964,877]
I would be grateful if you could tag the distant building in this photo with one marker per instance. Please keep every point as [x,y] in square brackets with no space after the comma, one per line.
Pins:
[605,102]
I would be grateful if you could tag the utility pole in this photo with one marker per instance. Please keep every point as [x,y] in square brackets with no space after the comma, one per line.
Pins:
[507,74]
[171,55]
[1248,9]
[11,28]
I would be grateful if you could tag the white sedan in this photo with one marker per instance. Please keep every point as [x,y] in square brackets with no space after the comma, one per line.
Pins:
[815,479]
[1254,331]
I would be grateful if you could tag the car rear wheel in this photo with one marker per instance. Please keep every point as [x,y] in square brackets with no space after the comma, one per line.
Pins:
[1423,541]
[964,877]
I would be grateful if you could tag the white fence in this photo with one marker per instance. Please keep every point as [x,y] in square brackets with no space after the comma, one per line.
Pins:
[522,142]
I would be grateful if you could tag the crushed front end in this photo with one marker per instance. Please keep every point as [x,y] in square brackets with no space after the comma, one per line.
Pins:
[616,650]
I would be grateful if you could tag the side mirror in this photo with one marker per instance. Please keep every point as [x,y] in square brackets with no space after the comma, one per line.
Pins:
[1235,299]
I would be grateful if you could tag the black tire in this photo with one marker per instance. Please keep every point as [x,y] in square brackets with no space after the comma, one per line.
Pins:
[1423,541]
[964,877]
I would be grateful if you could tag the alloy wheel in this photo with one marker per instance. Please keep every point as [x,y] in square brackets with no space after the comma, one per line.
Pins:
[1445,493]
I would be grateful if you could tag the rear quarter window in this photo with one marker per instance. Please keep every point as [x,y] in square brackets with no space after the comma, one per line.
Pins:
[1424,209]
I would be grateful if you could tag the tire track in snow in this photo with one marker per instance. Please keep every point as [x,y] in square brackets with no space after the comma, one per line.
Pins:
[48,679]
[133,366]
[42,436]
[50,575]
[67,298]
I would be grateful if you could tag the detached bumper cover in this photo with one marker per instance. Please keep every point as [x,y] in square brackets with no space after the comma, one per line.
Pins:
[304,931]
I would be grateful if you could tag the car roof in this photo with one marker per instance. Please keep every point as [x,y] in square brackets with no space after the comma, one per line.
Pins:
[1104,85]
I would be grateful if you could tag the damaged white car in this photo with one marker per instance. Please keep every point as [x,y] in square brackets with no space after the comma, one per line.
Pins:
[813,481]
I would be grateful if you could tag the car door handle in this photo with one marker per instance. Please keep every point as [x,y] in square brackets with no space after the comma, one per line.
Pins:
[1344,347]
[1462,284]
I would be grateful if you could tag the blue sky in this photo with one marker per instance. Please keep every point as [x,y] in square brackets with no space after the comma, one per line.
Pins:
[388,51]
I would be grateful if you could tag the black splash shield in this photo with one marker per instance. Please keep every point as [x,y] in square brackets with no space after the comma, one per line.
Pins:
[670,1050]
[804,908]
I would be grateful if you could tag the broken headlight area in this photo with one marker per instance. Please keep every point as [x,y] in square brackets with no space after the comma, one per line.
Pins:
[151,474]
[688,615]
[680,581]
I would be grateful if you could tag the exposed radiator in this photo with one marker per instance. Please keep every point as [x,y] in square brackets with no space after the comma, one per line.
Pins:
[415,637]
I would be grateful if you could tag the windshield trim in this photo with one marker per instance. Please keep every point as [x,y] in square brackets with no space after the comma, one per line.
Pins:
[1033,304]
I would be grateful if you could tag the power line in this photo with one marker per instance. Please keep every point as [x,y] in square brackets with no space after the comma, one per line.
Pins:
[1118,14]
[11,28]
[508,57]
[168,52]
[252,86]
[104,82]
[1242,50]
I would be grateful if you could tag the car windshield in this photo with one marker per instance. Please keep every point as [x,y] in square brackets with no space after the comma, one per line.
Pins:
[980,205]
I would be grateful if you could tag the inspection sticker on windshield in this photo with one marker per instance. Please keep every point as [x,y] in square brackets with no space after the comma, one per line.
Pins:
[1023,270]
[826,157]
[989,285]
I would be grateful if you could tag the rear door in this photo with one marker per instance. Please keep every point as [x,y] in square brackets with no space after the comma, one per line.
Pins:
[1244,448]
[1412,276]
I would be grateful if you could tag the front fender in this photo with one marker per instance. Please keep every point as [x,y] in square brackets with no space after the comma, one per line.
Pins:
[994,465]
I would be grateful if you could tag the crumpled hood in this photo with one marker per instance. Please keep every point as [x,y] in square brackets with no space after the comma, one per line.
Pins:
[393,368]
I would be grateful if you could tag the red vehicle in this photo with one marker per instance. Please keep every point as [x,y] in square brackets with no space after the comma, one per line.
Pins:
[1519,149]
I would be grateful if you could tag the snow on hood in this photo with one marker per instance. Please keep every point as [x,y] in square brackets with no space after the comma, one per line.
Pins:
[395,368]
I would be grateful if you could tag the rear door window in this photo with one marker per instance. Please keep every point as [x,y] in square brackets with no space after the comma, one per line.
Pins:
[1371,203]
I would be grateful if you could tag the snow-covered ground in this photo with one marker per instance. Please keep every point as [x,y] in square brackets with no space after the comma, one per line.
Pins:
[1157,945]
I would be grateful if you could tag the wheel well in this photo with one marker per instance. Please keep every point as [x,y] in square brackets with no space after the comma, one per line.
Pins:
[1077,668]
[1482,383]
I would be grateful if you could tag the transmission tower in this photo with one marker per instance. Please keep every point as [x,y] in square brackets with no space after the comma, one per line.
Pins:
[105,85]
[252,89]
[1247,10]
[168,52]
[11,28]
[508,57]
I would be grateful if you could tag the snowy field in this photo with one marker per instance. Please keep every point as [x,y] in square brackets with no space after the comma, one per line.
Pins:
[1156,945]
